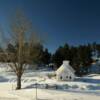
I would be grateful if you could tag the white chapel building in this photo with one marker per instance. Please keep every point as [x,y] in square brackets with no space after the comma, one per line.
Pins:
[65,72]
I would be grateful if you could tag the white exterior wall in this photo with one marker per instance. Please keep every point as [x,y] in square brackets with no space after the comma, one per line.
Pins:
[65,77]
[65,72]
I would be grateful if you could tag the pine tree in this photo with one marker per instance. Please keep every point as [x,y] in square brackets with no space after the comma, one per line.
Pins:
[57,57]
[46,57]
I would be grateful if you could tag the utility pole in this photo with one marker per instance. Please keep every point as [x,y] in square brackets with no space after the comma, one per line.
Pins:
[36,91]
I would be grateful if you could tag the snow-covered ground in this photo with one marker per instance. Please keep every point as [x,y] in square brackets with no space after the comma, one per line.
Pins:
[85,88]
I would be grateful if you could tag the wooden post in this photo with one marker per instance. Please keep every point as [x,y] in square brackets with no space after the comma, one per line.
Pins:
[36,91]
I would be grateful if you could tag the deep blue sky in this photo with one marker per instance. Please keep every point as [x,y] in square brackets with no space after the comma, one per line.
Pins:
[59,21]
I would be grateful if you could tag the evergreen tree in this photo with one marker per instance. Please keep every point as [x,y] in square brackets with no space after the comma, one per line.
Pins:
[10,48]
[84,59]
[57,57]
[37,53]
[46,57]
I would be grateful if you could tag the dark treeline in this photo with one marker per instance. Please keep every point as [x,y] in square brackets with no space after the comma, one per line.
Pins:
[39,54]
[80,57]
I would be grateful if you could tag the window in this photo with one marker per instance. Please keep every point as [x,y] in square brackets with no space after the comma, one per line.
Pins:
[70,77]
[61,77]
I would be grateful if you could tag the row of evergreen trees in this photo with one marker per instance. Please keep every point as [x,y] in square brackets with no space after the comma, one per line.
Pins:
[39,54]
[80,57]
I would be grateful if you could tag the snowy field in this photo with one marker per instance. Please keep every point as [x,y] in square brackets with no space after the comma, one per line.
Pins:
[48,88]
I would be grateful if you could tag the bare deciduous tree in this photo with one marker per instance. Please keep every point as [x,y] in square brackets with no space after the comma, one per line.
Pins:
[23,38]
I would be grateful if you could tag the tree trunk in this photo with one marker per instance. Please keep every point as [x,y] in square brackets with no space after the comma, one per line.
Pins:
[18,82]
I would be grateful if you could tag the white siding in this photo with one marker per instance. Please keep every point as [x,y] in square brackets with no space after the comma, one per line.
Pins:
[65,72]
